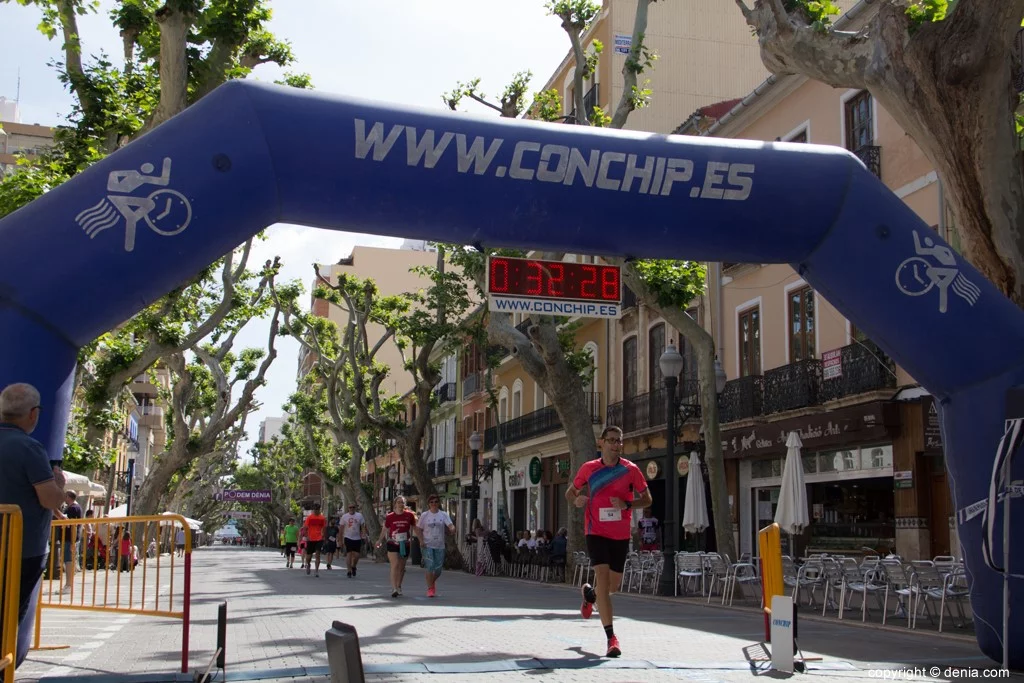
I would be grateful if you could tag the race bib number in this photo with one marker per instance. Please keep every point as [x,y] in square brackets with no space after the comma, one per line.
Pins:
[610,515]
[401,537]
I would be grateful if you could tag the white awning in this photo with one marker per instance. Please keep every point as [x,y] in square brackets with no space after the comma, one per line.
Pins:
[911,394]
[77,483]
[193,524]
[119,511]
[97,490]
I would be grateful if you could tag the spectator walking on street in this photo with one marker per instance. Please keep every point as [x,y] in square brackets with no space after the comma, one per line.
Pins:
[179,542]
[353,531]
[432,526]
[398,526]
[32,482]
[72,510]
[611,481]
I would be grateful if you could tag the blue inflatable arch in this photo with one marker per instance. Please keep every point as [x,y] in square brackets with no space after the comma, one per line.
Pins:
[250,155]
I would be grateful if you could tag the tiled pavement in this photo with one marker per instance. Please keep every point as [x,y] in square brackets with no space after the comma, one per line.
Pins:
[508,630]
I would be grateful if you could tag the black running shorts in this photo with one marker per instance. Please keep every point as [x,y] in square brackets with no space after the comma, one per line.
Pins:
[313,547]
[290,548]
[608,551]
[354,545]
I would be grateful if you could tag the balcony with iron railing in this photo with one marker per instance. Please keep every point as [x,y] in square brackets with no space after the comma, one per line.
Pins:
[445,393]
[863,367]
[793,386]
[871,155]
[591,99]
[537,423]
[647,411]
[472,383]
[442,467]
[741,399]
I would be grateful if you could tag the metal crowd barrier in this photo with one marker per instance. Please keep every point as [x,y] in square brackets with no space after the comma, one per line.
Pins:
[96,552]
[10,587]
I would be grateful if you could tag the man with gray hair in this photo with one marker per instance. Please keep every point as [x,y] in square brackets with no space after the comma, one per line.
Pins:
[32,483]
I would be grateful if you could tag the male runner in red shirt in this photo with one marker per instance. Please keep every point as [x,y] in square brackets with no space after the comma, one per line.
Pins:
[315,524]
[611,481]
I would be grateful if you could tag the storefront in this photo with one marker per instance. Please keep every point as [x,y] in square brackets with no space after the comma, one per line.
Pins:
[555,474]
[847,461]
[523,496]
[652,464]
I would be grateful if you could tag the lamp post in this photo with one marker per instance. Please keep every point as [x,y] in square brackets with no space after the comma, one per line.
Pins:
[131,483]
[474,449]
[671,363]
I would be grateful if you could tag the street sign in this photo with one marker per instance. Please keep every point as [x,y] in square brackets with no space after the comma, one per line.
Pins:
[243,496]
[564,288]
[239,514]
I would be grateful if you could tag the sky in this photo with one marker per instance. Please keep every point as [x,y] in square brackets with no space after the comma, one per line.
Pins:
[397,51]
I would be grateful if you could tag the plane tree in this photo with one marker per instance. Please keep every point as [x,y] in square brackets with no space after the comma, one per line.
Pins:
[950,75]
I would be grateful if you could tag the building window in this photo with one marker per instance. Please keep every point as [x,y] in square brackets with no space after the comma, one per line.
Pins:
[859,123]
[517,403]
[629,368]
[655,347]
[750,342]
[801,321]
[799,137]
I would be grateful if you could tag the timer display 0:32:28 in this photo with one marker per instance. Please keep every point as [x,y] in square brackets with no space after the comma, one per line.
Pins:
[554,279]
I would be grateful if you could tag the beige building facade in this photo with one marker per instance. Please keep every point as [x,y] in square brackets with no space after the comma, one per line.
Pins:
[705,54]
[872,457]
[390,269]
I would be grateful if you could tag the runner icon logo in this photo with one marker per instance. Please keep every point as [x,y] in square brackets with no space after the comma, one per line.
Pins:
[917,275]
[167,212]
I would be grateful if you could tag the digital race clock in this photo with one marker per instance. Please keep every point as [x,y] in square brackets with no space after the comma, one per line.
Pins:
[535,279]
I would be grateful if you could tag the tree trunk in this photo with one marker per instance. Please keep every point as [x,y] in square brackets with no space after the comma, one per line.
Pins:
[147,502]
[724,539]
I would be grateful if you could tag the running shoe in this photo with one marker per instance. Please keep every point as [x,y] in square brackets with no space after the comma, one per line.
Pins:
[353,571]
[307,571]
[613,647]
[589,596]
[349,575]
[431,592]
[394,594]
[317,574]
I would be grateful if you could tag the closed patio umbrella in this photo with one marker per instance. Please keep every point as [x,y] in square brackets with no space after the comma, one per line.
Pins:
[791,515]
[77,483]
[695,509]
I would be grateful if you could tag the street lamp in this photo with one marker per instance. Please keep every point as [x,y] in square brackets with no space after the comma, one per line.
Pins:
[720,377]
[671,363]
[474,449]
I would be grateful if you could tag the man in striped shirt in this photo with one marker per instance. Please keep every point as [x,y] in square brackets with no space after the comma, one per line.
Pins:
[612,482]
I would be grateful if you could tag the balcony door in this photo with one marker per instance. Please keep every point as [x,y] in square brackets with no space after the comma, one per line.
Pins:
[801,324]
[750,341]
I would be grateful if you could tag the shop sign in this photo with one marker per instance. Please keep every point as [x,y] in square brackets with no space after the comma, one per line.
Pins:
[856,424]
[652,469]
[517,479]
[932,427]
[904,479]
[683,465]
[562,466]
[535,470]
[832,364]
[623,43]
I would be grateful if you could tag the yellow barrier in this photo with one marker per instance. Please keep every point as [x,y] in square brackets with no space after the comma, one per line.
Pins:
[89,556]
[769,545]
[11,533]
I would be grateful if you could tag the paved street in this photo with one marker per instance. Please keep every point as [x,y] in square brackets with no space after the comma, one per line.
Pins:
[508,629]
